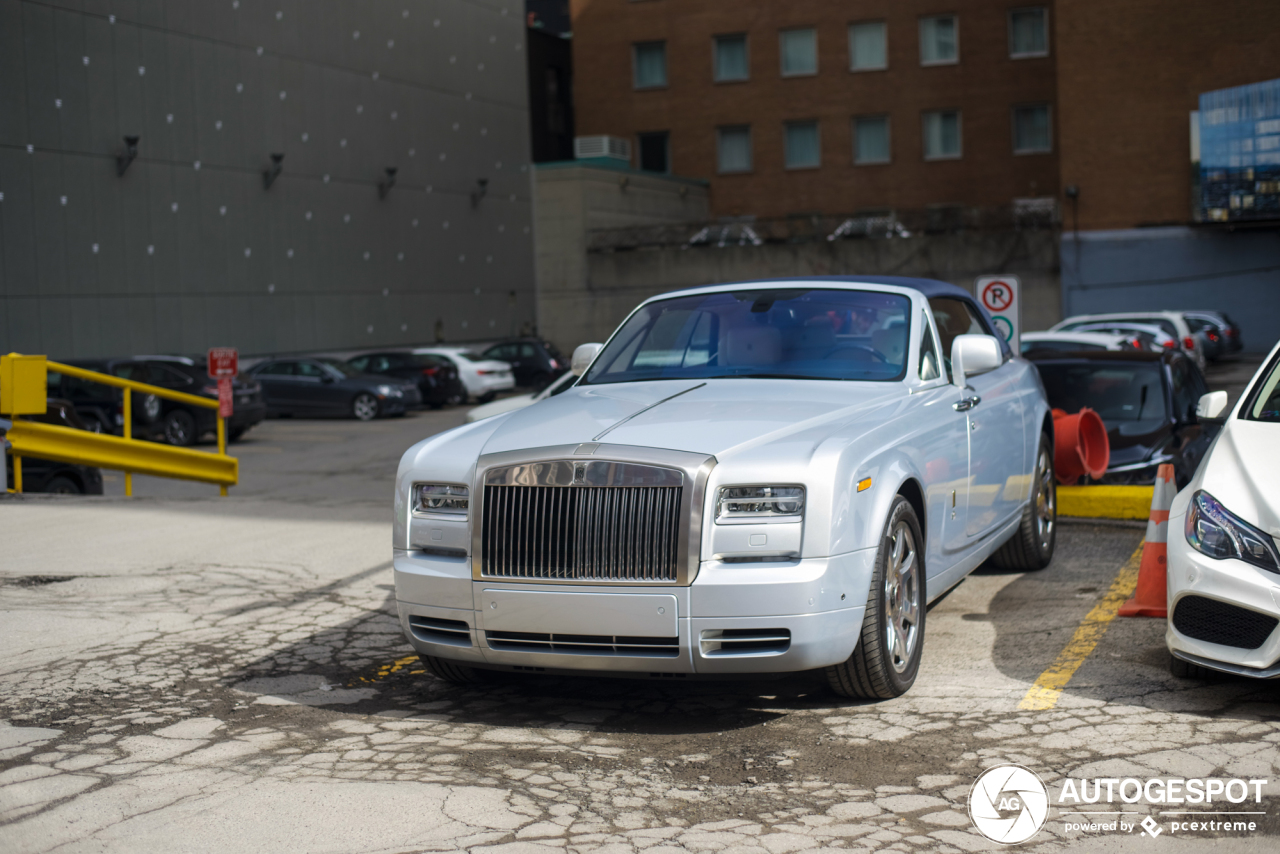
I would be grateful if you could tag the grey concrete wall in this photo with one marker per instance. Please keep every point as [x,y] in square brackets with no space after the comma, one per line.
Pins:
[188,250]
[1178,268]
[574,199]
[619,280]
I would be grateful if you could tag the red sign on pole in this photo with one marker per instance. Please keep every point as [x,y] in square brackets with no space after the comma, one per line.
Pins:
[224,397]
[223,362]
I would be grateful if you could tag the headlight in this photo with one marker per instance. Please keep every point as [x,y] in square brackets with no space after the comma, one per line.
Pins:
[755,502]
[1217,532]
[389,391]
[440,498]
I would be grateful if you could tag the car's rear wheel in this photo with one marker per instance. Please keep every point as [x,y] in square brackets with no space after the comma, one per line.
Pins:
[1031,546]
[887,658]
[364,407]
[180,428]
[455,674]
[61,485]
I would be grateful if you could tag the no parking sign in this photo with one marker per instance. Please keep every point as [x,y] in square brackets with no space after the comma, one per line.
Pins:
[1001,296]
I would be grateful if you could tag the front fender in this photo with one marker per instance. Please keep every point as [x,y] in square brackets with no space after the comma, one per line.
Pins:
[859,516]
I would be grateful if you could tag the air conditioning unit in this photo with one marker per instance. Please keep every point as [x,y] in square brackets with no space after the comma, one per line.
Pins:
[586,147]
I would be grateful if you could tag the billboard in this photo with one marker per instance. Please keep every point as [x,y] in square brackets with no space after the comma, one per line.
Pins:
[1239,170]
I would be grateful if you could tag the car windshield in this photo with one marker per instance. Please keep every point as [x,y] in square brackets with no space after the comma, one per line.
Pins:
[798,333]
[1129,396]
[339,366]
[1264,404]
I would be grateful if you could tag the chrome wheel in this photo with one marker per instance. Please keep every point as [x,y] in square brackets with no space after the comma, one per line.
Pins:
[1046,500]
[365,407]
[180,429]
[902,598]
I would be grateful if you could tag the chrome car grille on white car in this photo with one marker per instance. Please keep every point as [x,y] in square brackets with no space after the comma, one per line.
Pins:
[590,521]
[611,533]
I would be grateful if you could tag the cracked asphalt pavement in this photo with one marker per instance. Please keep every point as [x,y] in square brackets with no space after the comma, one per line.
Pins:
[196,674]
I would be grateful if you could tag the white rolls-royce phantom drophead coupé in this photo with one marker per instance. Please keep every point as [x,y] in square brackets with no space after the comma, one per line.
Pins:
[758,477]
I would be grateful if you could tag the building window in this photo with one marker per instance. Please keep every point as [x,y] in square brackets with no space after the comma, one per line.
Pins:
[1031,131]
[655,151]
[802,148]
[867,46]
[939,40]
[733,149]
[650,64]
[1028,33]
[799,52]
[731,58]
[871,139]
[942,135]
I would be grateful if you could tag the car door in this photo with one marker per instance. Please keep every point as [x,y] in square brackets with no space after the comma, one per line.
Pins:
[276,379]
[998,465]
[943,444]
[317,389]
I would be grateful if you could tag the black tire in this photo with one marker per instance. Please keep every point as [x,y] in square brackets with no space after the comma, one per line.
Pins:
[180,428]
[94,424]
[1187,670]
[878,669]
[364,407]
[1031,547]
[454,674]
[62,485]
[236,434]
[486,397]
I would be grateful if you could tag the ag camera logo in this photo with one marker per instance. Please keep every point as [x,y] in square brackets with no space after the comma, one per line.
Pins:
[1008,804]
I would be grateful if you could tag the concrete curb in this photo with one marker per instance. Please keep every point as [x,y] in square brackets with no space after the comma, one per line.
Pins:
[1105,502]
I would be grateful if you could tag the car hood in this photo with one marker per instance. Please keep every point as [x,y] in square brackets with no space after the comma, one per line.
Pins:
[1242,471]
[497,407]
[717,416]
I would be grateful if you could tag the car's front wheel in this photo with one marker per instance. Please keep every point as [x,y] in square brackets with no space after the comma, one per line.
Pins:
[887,658]
[62,485]
[180,428]
[1031,546]
[364,407]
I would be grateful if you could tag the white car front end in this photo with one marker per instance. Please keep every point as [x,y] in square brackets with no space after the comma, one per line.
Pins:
[1223,559]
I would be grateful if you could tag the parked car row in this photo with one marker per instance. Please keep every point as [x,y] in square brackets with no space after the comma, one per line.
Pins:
[1205,336]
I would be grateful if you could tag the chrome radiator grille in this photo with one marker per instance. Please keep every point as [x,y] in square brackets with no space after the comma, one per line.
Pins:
[601,533]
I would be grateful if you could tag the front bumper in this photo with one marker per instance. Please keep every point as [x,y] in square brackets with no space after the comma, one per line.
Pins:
[1234,582]
[733,619]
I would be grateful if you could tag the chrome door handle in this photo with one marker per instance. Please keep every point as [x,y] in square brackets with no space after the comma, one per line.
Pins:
[966,404]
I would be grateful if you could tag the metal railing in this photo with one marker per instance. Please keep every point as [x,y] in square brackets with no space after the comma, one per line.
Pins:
[123,453]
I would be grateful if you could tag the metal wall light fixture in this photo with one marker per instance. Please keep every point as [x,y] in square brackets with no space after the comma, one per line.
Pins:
[130,154]
[482,187]
[270,174]
[384,187]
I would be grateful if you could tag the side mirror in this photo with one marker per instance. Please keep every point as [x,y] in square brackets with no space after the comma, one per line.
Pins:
[972,355]
[583,356]
[1211,405]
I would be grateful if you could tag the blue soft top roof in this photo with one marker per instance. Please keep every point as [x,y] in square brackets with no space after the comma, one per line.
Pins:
[929,287]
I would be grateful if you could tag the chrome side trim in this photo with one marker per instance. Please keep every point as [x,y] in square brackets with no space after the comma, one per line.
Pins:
[610,465]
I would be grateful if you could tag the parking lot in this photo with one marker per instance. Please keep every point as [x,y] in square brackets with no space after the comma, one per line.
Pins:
[188,673]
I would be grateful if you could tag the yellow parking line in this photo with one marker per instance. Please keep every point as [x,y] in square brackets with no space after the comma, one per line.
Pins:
[1049,687]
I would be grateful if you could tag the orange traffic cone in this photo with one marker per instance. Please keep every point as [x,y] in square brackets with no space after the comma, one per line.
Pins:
[1151,598]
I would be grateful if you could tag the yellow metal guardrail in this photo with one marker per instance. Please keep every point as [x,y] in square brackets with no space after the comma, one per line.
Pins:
[23,380]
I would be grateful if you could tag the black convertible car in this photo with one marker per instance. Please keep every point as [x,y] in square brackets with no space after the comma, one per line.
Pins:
[1147,401]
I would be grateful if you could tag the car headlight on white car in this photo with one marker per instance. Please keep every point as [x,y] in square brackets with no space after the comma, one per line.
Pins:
[734,503]
[443,499]
[1215,531]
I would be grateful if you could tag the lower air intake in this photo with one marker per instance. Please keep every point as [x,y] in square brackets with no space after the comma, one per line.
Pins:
[718,642]
[1217,622]
[452,632]
[584,644]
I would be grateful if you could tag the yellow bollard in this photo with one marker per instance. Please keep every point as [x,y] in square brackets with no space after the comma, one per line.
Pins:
[128,436]
[17,474]
[222,445]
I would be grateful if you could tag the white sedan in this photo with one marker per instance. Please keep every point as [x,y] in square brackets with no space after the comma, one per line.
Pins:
[762,477]
[520,401]
[482,378]
[1223,562]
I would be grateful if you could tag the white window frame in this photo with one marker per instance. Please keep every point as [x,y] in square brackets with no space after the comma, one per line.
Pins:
[715,64]
[920,37]
[859,69]
[817,131]
[959,136]
[888,127]
[751,154]
[1029,54]
[635,66]
[1013,127]
[782,52]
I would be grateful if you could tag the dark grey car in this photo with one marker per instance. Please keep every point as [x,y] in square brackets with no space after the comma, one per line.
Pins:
[320,386]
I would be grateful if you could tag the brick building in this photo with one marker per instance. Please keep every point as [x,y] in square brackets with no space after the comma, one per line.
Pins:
[827,107]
